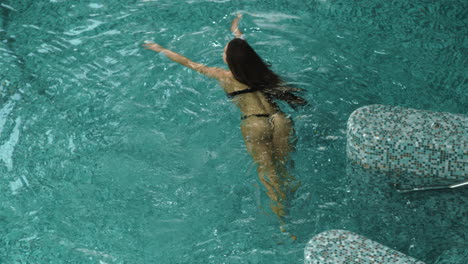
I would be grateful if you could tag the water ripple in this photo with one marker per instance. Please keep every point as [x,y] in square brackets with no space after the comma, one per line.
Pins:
[92,24]
[7,149]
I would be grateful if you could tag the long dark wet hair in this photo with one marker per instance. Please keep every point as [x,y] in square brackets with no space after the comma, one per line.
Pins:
[249,69]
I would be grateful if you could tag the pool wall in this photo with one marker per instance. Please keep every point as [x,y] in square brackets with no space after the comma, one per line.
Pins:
[344,247]
[418,147]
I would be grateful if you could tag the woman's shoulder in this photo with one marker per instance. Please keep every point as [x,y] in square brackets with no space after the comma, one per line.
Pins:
[226,77]
[230,84]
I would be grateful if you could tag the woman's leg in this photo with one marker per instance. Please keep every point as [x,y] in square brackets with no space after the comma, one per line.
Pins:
[283,130]
[257,132]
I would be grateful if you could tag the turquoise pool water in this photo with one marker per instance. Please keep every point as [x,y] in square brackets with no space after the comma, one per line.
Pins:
[112,154]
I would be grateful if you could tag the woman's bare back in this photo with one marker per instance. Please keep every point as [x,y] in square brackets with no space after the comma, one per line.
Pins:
[252,103]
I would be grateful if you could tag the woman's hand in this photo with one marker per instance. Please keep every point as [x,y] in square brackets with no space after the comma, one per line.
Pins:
[235,26]
[153,46]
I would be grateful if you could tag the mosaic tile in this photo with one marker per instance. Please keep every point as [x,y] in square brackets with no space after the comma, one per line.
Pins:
[425,146]
[344,247]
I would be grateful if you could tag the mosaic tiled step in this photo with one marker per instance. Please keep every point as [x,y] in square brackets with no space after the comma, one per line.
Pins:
[426,145]
[344,247]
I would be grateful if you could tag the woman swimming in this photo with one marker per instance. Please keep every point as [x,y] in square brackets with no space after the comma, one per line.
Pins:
[266,130]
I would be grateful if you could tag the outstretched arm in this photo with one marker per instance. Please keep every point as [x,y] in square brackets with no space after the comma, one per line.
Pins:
[211,72]
[235,26]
